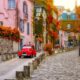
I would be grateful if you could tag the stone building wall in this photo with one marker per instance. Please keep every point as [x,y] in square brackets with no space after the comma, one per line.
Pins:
[6,46]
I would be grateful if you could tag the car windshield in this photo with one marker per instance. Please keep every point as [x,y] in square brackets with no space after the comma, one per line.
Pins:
[26,47]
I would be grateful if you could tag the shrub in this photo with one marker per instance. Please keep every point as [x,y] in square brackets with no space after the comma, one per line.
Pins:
[8,33]
[48,48]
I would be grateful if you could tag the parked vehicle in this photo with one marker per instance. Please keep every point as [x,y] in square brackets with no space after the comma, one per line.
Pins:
[27,51]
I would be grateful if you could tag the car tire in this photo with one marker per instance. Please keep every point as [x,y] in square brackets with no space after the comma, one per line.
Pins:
[19,56]
[32,56]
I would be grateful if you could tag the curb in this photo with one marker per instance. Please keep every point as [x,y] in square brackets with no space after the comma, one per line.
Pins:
[28,69]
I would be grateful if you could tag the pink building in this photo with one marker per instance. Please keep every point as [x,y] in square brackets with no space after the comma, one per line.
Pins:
[18,13]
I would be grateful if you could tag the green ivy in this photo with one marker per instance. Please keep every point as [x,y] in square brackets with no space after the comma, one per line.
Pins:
[39,26]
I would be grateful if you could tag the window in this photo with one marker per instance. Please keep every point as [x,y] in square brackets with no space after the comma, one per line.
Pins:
[72,16]
[39,10]
[64,16]
[11,4]
[25,9]
[28,29]
[1,23]
[21,44]
[21,25]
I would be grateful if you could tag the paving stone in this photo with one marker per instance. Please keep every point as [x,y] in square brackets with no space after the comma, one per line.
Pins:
[59,67]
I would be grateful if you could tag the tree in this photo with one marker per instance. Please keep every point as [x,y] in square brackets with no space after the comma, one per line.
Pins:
[78,11]
[39,26]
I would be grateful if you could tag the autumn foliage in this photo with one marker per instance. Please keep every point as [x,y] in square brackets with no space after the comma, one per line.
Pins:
[40,39]
[8,33]
[54,34]
[48,48]
[50,19]
[78,11]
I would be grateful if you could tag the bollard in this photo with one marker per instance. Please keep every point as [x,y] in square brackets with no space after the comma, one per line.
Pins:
[40,58]
[43,56]
[27,72]
[38,61]
[31,67]
[19,75]
[34,64]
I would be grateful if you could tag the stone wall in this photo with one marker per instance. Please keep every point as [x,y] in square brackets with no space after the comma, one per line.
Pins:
[15,46]
[6,46]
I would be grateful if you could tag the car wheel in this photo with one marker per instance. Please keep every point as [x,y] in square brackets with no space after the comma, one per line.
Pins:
[19,56]
[32,56]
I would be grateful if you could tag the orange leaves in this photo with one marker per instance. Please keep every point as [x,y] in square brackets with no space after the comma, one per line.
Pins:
[55,9]
[48,47]
[78,11]
[49,5]
[49,8]
[7,32]
[54,34]
[58,25]
[50,19]
[40,39]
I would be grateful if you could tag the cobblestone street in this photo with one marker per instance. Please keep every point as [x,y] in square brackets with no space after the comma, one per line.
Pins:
[64,66]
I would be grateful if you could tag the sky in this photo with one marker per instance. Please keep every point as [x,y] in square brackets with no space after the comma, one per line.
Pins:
[68,4]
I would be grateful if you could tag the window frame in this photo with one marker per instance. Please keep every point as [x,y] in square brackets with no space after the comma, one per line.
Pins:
[21,25]
[28,28]
[1,23]
[11,4]
[25,9]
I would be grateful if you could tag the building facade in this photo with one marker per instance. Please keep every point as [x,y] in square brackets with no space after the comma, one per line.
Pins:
[69,24]
[40,23]
[18,14]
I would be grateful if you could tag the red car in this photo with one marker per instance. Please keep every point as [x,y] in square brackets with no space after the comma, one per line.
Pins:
[27,51]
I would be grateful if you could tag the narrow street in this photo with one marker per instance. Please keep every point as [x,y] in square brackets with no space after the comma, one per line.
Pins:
[8,68]
[64,66]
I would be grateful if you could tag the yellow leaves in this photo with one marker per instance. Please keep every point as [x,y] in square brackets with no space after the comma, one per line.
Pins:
[78,11]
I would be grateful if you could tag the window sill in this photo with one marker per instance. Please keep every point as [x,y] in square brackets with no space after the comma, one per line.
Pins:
[11,9]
